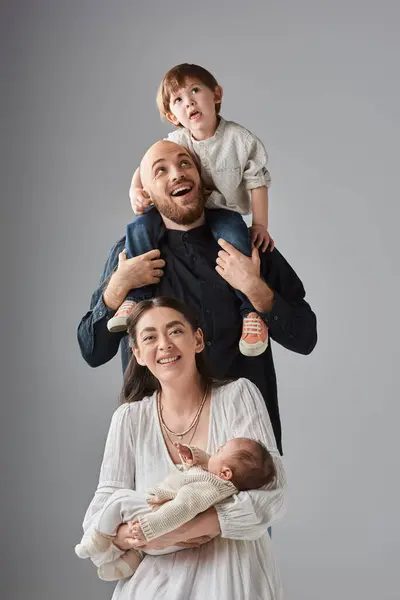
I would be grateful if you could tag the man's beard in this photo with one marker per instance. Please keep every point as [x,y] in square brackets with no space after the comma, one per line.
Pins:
[179,213]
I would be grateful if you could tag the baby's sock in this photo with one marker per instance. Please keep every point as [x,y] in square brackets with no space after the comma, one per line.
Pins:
[122,567]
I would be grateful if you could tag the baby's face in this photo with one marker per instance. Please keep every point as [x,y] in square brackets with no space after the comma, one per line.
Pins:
[223,457]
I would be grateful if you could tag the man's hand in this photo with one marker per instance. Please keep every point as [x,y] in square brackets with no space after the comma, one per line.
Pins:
[240,271]
[243,273]
[132,273]
[140,200]
[261,238]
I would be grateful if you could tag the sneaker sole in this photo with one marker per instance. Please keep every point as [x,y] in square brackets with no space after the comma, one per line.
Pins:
[251,350]
[115,325]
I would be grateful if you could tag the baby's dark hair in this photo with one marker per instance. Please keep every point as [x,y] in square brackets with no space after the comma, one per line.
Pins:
[252,468]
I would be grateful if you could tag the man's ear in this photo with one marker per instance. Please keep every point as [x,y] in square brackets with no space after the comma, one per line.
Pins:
[199,337]
[218,93]
[226,473]
[172,119]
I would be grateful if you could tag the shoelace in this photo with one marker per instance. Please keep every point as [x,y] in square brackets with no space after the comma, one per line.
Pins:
[252,325]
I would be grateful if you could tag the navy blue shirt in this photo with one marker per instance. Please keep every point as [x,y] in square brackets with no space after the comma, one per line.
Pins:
[190,276]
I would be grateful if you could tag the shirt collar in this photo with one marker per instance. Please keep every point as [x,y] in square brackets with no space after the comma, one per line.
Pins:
[176,237]
[218,134]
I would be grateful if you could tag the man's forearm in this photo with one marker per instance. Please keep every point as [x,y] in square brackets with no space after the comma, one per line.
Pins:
[260,295]
[115,292]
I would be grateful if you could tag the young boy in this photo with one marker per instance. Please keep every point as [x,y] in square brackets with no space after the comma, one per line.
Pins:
[233,169]
[241,464]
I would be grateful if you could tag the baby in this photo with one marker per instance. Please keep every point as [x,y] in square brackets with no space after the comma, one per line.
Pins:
[233,169]
[202,481]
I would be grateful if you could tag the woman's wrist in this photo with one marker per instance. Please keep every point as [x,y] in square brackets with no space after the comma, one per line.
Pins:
[206,523]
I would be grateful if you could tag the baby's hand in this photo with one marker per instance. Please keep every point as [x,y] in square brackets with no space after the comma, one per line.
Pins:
[261,238]
[140,200]
[136,533]
[185,453]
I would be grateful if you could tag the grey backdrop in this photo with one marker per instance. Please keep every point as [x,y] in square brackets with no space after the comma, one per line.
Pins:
[318,82]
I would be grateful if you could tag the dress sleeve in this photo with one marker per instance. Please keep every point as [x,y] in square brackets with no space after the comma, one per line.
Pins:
[117,469]
[247,515]
[255,173]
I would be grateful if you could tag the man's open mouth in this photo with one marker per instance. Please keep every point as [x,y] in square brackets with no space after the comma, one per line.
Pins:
[182,190]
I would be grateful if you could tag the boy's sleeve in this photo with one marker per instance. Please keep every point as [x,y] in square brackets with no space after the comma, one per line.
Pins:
[255,172]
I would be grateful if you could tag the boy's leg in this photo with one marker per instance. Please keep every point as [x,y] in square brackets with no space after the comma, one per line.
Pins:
[230,226]
[142,235]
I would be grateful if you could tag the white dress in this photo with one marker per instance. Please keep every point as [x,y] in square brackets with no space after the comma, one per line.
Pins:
[238,565]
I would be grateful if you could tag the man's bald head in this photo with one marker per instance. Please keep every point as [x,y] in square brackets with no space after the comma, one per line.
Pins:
[170,176]
[159,150]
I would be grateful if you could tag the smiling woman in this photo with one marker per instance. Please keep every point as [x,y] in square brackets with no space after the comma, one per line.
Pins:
[169,398]
[160,340]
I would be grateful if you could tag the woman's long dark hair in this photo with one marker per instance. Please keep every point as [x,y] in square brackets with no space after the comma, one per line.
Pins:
[138,380]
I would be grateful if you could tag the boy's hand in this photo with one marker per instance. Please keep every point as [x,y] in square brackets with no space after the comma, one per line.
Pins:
[140,200]
[185,453]
[261,238]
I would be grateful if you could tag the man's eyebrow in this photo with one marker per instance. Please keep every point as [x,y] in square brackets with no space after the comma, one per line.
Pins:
[157,161]
[180,155]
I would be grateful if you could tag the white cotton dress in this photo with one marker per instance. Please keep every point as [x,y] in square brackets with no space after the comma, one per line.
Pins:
[238,565]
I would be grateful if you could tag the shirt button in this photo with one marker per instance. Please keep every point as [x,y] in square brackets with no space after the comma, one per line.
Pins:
[185,236]
[275,318]
[100,313]
[208,343]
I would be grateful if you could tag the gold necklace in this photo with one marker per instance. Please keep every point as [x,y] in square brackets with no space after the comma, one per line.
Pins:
[191,437]
[193,423]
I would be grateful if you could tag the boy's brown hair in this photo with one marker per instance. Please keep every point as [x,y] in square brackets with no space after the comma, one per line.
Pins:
[175,79]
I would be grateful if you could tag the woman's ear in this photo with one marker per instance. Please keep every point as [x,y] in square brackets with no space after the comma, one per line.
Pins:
[199,339]
[226,473]
[136,353]
[172,119]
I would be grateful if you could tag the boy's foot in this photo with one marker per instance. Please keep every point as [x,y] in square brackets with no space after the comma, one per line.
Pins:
[254,340]
[119,320]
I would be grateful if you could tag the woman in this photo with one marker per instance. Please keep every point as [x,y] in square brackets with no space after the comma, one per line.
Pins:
[168,397]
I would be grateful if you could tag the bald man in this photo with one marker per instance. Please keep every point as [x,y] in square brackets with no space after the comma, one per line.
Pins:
[191,266]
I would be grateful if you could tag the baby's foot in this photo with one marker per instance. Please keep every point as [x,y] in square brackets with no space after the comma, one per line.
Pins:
[121,568]
[91,546]
[137,532]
